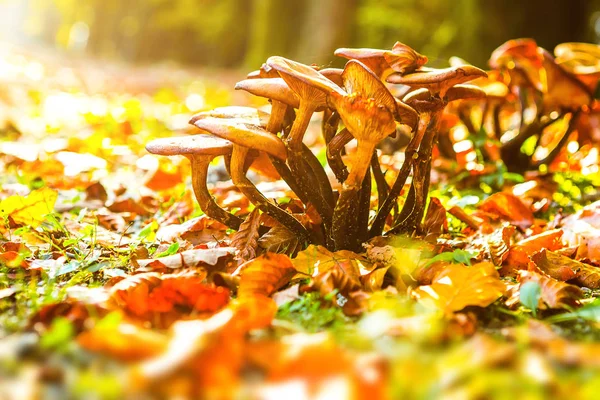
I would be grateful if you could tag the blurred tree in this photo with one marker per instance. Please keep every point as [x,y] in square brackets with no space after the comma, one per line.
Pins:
[228,33]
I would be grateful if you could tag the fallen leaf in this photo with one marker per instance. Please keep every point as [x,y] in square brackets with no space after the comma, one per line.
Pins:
[459,286]
[193,258]
[508,207]
[565,269]
[29,210]
[265,275]
[245,240]
[280,240]
[554,293]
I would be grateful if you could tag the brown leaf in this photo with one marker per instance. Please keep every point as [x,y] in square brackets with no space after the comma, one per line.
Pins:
[519,254]
[459,286]
[509,208]
[265,275]
[435,220]
[193,258]
[565,269]
[280,240]
[316,260]
[245,240]
[555,294]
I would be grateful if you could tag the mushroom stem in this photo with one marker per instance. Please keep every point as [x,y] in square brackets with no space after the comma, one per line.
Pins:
[392,197]
[421,179]
[382,186]
[345,215]
[334,154]
[561,143]
[258,199]
[205,200]
[275,123]
[303,115]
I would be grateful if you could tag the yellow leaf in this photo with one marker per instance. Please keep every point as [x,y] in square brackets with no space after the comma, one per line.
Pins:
[316,260]
[31,209]
[459,286]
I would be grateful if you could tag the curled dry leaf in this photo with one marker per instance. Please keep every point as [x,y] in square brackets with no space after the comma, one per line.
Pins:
[508,207]
[554,293]
[316,260]
[565,269]
[265,275]
[519,254]
[435,220]
[498,244]
[459,286]
[279,239]
[194,258]
[166,298]
[245,240]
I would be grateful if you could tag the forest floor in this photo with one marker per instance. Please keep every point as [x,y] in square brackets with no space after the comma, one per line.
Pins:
[113,284]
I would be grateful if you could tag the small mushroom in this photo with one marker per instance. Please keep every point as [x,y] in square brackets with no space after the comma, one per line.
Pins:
[200,150]
[434,89]
[252,115]
[245,137]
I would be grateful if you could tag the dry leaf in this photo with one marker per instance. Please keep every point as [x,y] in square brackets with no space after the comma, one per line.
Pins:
[245,240]
[193,258]
[459,286]
[565,269]
[509,208]
[555,294]
[280,240]
[265,275]
[435,220]
[163,299]
[29,210]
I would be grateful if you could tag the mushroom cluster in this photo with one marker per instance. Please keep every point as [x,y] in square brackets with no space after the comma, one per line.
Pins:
[357,105]
[536,103]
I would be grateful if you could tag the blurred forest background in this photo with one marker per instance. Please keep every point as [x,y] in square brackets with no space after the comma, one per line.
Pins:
[236,33]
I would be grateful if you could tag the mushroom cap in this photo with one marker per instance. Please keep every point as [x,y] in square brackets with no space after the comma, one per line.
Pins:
[522,55]
[252,115]
[438,80]
[271,88]
[244,134]
[404,59]
[333,74]
[581,60]
[310,85]
[264,72]
[202,144]
[465,92]
[368,108]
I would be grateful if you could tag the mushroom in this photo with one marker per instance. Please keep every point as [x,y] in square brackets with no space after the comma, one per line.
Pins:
[245,137]
[434,89]
[302,177]
[581,60]
[249,114]
[401,59]
[368,111]
[200,150]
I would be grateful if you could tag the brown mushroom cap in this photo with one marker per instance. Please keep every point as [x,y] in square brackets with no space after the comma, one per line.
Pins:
[404,59]
[580,59]
[523,59]
[465,92]
[253,115]
[201,144]
[305,81]
[368,108]
[271,88]
[373,58]
[333,74]
[438,80]
[244,134]
[265,71]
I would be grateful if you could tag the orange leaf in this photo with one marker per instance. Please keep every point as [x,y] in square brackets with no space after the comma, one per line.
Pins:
[265,275]
[509,208]
[459,286]
[555,294]
[150,296]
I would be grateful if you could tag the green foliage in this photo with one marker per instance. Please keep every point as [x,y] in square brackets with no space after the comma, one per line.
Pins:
[456,256]
[313,313]
[529,294]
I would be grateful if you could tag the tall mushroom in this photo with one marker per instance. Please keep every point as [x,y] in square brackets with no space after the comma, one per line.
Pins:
[245,137]
[368,111]
[200,150]
[429,102]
